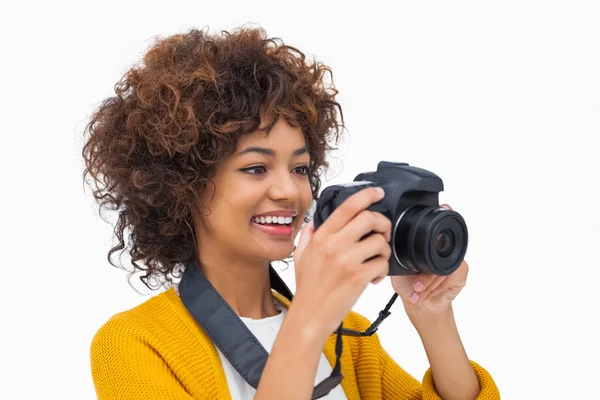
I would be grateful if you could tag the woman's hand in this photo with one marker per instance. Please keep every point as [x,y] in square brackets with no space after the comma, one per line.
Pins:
[430,295]
[334,266]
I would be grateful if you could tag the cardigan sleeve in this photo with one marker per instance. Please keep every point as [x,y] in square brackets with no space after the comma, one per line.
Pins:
[394,386]
[396,383]
[125,366]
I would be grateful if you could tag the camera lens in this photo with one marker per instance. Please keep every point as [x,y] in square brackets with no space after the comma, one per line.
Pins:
[444,243]
[430,240]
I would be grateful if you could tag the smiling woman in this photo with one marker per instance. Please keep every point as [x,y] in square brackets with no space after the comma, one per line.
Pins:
[211,152]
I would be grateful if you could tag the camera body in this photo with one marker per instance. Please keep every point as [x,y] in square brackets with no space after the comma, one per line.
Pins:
[426,238]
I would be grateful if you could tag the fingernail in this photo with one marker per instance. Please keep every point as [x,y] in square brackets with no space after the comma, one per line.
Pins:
[414,298]
[380,191]
[419,286]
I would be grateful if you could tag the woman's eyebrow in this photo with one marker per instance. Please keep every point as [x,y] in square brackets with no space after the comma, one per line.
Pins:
[270,152]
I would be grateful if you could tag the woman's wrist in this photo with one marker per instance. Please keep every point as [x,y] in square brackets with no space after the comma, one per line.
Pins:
[424,320]
[309,328]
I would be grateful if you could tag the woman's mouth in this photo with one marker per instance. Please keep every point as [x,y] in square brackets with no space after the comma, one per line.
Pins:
[275,225]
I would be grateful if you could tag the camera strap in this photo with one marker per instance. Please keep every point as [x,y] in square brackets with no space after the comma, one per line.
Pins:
[233,338]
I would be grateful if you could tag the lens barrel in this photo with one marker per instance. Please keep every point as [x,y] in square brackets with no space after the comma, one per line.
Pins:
[430,240]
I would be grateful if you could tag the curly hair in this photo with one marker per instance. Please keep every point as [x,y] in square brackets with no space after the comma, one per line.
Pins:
[154,146]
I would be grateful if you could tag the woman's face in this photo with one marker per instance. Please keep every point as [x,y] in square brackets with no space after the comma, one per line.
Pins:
[260,196]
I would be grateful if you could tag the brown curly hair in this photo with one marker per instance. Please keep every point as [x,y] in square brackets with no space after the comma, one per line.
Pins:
[153,147]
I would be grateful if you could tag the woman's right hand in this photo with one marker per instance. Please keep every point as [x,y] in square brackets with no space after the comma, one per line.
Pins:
[331,264]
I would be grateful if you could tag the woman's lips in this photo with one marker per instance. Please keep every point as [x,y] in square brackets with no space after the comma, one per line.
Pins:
[275,229]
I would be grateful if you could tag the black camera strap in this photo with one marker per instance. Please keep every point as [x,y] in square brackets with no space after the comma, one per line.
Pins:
[233,338]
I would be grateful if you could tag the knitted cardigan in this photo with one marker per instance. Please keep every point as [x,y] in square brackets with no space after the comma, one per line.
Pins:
[156,350]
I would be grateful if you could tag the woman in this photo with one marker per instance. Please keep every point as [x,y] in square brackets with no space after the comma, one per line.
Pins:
[211,151]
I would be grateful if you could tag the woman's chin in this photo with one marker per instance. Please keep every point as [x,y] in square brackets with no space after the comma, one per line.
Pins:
[281,255]
[273,246]
[277,252]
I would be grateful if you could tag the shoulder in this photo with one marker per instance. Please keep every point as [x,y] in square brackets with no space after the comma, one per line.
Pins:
[145,322]
[154,347]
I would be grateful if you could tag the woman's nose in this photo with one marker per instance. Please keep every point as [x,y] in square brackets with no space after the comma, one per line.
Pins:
[284,187]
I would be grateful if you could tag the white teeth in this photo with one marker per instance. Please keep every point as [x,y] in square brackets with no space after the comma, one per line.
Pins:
[273,220]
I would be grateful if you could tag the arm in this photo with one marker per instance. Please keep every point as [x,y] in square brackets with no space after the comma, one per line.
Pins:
[398,384]
[390,381]
[329,281]
[124,367]
[451,369]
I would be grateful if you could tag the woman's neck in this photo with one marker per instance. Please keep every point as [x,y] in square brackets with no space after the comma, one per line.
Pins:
[245,286]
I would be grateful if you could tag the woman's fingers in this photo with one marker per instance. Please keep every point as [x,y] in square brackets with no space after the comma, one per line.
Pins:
[349,209]
[371,246]
[421,282]
[376,269]
[424,286]
[439,284]
[305,236]
[365,223]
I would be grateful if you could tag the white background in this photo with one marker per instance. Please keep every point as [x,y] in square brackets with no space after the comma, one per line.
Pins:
[500,99]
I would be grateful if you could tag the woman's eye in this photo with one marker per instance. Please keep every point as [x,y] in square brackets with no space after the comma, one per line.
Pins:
[302,170]
[259,169]
[254,170]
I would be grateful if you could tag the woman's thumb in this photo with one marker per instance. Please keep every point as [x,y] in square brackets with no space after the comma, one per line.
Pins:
[305,236]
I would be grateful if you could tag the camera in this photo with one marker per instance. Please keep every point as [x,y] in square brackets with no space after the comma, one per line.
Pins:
[426,238]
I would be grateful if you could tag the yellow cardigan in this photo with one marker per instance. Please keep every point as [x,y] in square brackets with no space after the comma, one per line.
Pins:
[156,350]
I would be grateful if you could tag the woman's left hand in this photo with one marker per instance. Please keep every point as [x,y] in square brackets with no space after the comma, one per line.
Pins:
[431,295]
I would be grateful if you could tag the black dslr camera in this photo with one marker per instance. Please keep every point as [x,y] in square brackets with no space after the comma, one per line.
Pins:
[426,238]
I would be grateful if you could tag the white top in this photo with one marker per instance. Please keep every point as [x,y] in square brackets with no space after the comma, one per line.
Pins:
[266,330]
